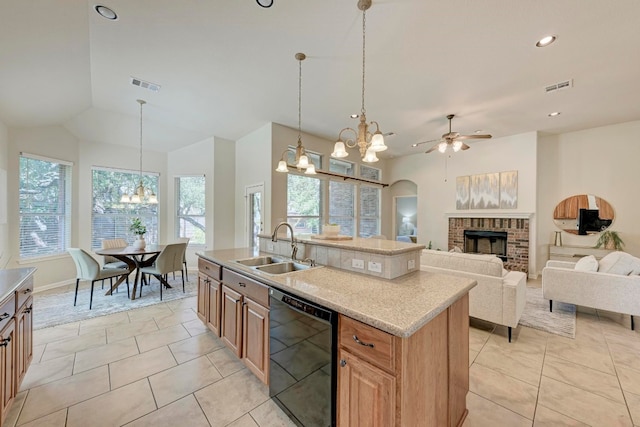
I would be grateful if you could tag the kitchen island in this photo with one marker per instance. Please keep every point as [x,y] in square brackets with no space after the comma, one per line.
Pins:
[402,343]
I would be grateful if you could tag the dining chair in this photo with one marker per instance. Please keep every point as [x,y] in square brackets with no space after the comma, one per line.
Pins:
[169,260]
[89,269]
[184,261]
[113,262]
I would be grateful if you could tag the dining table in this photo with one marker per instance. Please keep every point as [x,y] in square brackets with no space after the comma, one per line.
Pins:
[135,259]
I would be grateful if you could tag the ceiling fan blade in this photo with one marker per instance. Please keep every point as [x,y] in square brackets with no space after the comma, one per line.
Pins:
[425,142]
[460,137]
[435,147]
[464,147]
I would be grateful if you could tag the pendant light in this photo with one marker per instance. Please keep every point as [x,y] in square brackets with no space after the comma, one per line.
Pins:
[302,160]
[368,143]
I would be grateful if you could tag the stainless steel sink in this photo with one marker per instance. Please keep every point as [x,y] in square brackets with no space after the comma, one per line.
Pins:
[282,267]
[257,261]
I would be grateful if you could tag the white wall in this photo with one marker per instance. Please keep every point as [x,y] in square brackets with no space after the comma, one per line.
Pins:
[253,165]
[435,175]
[601,161]
[4,228]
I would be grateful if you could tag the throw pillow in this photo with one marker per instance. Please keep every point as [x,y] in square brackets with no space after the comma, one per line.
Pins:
[587,263]
[617,263]
[456,249]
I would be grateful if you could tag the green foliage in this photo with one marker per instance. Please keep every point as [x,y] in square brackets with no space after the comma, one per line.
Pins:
[610,240]
[137,227]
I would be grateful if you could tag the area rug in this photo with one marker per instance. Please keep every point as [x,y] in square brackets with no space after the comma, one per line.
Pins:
[55,306]
[561,321]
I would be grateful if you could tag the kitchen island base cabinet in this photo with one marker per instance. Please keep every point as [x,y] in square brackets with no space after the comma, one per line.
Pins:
[421,380]
[255,339]
[231,325]
[209,294]
[7,367]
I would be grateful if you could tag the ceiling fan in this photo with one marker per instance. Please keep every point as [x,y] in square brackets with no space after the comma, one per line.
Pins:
[451,139]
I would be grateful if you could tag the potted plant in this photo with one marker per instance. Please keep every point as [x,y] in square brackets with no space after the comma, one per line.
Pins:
[610,240]
[139,229]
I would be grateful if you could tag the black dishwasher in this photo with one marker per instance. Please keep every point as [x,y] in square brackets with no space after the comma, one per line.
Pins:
[302,369]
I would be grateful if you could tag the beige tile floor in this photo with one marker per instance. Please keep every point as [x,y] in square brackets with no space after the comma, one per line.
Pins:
[159,365]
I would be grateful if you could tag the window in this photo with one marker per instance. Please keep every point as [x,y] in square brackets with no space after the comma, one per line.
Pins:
[45,206]
[110,218]
[369,224]
[342,203]
[190,209]
[304,198]
[367,172]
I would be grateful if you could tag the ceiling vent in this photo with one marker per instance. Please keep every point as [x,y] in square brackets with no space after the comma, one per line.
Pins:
[566,84]
[145,85]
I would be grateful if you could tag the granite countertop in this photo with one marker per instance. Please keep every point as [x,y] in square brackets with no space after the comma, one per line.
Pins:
[399,306]
[11,279]
[376,246]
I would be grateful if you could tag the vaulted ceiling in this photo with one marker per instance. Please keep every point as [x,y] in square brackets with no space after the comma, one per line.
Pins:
[227,67]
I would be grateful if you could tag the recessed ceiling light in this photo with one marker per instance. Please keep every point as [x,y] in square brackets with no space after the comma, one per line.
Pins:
[106,12]
[555,113]
[546,41]
[354,116]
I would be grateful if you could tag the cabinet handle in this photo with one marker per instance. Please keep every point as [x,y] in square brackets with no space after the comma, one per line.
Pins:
[242,285]
[27,310]
[5,342]
[26,291]
[355,338]
[343,363]
[4,316]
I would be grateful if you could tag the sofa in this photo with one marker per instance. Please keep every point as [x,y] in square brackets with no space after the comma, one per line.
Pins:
[500,295]
[612,283]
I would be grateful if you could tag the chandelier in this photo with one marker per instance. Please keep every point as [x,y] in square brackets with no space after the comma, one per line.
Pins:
[141,195]
[302,160]
[368,143]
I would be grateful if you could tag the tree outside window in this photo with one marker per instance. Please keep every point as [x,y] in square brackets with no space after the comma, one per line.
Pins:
[190,200]
[45,202]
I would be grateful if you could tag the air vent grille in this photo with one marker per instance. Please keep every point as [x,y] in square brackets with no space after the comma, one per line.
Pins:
[153,87]
[566,84]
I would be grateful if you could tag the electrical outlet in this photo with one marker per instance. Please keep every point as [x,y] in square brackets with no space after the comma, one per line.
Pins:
[270,247]
[357,263]
[376,267]
[411,264]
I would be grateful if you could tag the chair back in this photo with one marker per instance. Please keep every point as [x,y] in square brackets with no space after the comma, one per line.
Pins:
[112,243]
[171,258]
[87,267]
[184,240]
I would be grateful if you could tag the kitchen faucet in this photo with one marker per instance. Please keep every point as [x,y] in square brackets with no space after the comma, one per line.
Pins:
[294,247]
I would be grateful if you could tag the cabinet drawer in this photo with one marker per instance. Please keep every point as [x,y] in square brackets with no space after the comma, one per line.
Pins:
[367,342]
[7,311]
[246,286]
[209,268]
[24,292]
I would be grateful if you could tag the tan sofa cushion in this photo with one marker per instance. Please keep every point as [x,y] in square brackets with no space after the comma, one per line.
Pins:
[489,265]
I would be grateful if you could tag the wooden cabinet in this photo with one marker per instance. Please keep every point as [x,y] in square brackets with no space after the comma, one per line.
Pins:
[209,294]
[255,338]
[384,380]
[574,253]
[16,333]
[231,321]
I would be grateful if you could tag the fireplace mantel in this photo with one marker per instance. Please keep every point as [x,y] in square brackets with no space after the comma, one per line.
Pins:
[484,214]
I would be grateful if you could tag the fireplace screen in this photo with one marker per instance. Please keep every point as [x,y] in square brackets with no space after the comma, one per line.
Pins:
[486,242]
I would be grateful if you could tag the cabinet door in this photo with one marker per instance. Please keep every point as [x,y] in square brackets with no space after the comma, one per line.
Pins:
[24,342]
[213,303]
[458,360]
[366,394]
[255,339]
[231,319]
[7,367]
[203,287]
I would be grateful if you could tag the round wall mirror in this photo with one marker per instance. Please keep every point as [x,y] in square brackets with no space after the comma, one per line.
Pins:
[583,214]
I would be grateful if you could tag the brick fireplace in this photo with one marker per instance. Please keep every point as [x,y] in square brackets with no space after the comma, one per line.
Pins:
[517,229]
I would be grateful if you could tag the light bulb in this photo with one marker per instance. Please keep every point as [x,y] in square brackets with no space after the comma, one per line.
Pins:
[457,145]
[442,147]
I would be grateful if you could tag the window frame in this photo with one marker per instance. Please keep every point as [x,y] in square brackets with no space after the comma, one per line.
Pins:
[65,171]
[178,216]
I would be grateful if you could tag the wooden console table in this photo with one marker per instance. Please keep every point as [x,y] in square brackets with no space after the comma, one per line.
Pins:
[574,253]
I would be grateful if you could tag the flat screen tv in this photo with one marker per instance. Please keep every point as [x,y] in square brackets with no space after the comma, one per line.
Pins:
[589,220]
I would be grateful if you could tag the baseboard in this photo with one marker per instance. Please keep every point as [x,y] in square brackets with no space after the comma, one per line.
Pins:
[52,286]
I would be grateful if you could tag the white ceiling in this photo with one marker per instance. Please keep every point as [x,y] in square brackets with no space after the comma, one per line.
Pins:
[227,67]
